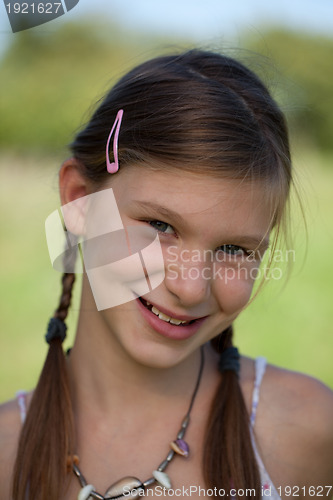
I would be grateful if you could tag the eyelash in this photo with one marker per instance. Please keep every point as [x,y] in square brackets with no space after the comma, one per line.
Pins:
[245,252]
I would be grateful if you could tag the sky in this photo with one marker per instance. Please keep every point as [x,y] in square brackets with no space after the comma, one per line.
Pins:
[202,20]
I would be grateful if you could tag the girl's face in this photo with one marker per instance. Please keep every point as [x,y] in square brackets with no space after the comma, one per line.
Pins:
[213,233]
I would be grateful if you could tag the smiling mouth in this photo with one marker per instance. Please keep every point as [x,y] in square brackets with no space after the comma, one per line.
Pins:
[164,317]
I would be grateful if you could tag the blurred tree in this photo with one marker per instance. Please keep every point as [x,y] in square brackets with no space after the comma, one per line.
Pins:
[43,79]
[306,63]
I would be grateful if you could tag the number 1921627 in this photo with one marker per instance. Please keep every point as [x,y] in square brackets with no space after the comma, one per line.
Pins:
[33,8]
[304,491]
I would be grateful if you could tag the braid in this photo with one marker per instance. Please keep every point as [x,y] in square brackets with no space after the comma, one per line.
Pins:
[68,278]
[47,436]
[66,296]
[228,459]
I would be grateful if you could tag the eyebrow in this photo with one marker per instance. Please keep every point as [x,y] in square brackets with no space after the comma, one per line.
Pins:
[261,242]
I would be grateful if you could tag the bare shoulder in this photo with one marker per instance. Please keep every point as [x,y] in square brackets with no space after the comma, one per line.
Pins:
[300,398]
[295,418]
[10,426]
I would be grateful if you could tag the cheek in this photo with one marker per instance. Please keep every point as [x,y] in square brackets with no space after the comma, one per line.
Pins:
[233,289]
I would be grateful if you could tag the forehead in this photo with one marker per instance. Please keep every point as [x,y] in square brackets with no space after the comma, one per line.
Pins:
[198,197]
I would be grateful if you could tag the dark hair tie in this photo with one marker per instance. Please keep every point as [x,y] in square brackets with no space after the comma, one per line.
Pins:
[56,330]
[229,360]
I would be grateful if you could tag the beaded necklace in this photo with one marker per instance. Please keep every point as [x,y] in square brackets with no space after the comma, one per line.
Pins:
[131,487]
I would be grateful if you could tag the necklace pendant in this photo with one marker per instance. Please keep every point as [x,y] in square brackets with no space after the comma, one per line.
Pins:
[162,478]
[129,487]
[84,493]
[181,447]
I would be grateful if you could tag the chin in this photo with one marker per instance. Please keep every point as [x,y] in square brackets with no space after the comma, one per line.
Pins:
[160,355]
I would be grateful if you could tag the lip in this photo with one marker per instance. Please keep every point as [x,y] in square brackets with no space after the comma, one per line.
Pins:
[166,329]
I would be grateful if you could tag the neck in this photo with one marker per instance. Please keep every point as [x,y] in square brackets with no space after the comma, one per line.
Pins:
[103,377]
[110,380]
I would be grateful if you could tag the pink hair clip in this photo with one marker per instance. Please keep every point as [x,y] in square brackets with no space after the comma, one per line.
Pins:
[113,167]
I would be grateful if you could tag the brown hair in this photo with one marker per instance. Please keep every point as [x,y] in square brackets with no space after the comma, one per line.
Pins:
[206,112]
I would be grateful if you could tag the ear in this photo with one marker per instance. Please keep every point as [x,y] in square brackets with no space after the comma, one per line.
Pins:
[74,187]
[72,183]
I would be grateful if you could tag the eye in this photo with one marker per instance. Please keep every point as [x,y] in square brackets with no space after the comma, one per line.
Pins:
[162,227]
[233,250]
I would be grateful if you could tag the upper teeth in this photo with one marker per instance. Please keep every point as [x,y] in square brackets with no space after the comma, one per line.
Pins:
[165,317]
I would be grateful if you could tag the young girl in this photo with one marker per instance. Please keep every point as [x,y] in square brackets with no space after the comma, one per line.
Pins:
[190,153]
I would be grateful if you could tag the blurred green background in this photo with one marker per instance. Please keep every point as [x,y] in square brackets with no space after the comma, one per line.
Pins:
[49,84]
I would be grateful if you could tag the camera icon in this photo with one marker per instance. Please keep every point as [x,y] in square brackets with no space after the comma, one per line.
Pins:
[121,263]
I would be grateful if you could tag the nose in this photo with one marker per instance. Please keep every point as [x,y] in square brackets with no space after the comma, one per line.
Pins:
[189,281]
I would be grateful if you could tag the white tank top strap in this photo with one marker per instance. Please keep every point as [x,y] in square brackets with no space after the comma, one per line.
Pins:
[260,364]
[268,488]
[21,397]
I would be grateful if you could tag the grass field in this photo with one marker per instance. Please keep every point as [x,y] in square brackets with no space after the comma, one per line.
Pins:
[291,324]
